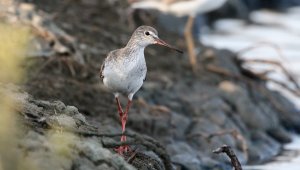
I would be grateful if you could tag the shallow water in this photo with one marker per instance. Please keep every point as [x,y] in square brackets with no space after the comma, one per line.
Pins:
[279,30]
[274,30]
[289,159]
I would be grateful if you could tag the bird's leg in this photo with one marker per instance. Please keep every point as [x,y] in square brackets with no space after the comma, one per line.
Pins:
[120,110]
[124,120]
[123,116]
[190,43]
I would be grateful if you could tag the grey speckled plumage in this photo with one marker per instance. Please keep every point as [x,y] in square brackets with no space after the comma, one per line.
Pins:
[124,70]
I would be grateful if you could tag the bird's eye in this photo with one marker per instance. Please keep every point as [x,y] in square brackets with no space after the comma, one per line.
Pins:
[147,33]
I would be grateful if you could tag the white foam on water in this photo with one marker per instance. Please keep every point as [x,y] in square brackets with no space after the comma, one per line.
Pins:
[288,161]
[276,29]
[283,31]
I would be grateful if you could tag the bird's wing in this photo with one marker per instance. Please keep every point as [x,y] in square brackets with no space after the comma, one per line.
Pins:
[111,56]
[101,75]
[101,70]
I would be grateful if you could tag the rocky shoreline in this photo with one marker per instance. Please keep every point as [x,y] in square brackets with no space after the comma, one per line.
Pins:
[189,131]
[181,117]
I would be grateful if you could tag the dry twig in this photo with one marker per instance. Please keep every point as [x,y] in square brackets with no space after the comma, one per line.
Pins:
[224,72]
[261,44]
[229,152]
[281,56]
[285,71]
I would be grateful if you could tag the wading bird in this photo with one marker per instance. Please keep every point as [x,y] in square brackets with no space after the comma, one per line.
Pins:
[124,70]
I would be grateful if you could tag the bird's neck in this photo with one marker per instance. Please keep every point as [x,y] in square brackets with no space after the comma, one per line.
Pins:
[134,51]
[135,47]
[135,43]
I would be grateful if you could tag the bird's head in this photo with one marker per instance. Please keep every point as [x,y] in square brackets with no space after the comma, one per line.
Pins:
[146,35]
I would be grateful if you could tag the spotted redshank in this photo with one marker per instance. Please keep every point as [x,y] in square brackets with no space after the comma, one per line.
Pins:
[181,8]
[124,70]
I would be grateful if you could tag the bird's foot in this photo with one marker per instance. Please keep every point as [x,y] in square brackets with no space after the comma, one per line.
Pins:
[122,150]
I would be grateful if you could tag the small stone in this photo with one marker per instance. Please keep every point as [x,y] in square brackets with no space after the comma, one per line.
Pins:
[59,106]
[71,110]
[62,121]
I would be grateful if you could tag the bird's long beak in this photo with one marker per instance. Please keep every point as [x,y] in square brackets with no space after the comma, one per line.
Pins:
[161,42]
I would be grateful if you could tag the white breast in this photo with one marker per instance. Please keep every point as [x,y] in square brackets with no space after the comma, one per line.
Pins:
[126,76]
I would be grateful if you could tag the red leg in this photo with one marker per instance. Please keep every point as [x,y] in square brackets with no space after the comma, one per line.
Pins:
[120,110]
[124,120]
[125,116]
[125,148]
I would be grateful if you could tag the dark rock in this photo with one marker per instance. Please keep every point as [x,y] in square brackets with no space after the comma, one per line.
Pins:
[262,147]
[187,161]
[83,164]
[280,134]
[289,115]
[179,125]
[184,155]
[93,150]
[252,115]
[143,161]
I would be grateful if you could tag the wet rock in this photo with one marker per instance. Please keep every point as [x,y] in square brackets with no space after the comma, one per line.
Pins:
[71,110]
[184,155]
[31,144]
[209,163]
[51,147]
[179,125]
[289,115]
[156,124]
[83,164]
[41,152]
[262,147]
[192,102]
[238,97]
[58,106]
[146,161]
[93,150]
[280,134]
[187,161]
[200,131]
